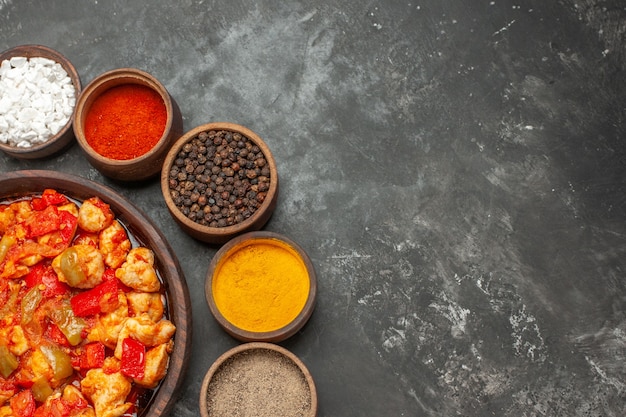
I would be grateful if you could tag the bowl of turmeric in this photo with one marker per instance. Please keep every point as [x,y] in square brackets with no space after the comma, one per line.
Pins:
[125,123]
[261,287]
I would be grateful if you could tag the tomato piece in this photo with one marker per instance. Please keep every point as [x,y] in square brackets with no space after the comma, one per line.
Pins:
[133,358]
[23,404]
[102,297]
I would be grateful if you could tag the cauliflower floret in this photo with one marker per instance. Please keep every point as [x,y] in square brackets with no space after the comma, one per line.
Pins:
[138,271]
[107,392]
[157,360]
[146,331]
[108,326]
[94,215]
[146,302]
[80,266]
[114,244]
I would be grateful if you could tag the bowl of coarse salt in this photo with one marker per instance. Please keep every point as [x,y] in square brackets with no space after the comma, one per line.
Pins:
[38,91]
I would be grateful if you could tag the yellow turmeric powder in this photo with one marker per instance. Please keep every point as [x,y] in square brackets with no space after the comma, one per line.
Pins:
[261,285]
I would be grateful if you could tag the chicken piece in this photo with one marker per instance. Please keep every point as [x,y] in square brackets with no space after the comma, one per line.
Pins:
[146,302]
[85,412]
[75,399]
[107,392]
[114,244]
[80,266]
[70,207]
[5,411]
[22,210]
[146,331]
[108,326]
[157,361]
[6,392]
[17,254]
[7,217]
[17,342]
[94,215]
[138,271]
[37,365]
[86,238]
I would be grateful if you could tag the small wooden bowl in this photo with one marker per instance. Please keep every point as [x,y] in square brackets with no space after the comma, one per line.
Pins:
[220,235]
[24,183]
[247,380]
[65,136]
[147,165]
[294,257]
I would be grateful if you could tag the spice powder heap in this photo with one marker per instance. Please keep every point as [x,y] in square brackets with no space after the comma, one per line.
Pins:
[126,121]
[258,383]
[261,285]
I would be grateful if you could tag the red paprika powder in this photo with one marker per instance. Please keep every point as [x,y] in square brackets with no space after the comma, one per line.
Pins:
[126,121]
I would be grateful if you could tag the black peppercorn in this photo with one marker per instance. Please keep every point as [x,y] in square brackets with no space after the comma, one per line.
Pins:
[219,178]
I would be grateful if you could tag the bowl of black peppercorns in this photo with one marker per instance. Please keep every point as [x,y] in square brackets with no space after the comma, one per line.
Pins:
[219,180]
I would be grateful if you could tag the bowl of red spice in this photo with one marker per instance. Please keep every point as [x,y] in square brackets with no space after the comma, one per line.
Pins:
[125,123]
[258,380]
[261,287]
[39,90]
[220,180]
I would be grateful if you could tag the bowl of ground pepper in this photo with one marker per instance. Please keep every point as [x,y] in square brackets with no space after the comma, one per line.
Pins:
[39,90]
[219,180]
[125,123]
[258,380]
[261,287]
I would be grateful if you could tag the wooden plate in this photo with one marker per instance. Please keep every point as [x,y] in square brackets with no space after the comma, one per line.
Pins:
[23,183]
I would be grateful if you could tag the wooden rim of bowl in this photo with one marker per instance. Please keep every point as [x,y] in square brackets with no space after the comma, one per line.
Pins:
[220,235]
[248,347]
[19,183]
[114,78]
[64,136]
[277,335]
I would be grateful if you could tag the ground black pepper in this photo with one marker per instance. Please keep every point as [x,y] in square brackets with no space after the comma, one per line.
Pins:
[219,178]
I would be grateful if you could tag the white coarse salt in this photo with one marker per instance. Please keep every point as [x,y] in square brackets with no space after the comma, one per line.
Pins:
[37,99]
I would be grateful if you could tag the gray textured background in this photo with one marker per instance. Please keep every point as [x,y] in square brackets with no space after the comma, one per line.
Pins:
[455,170]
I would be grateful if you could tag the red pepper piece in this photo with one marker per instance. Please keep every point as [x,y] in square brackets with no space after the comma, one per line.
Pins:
[23,404]
[67,225]
[102,297]
[92,356]
[44,274]
[56,335]
[44,222]
[133,358]
[49,197]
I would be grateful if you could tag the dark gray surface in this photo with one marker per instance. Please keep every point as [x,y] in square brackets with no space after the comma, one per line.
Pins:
[454,169]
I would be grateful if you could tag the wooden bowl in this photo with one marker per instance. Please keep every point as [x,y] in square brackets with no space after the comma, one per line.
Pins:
[65,136]
[140,168]
[234,311]
[23,183]
[221,234]
[252,379]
